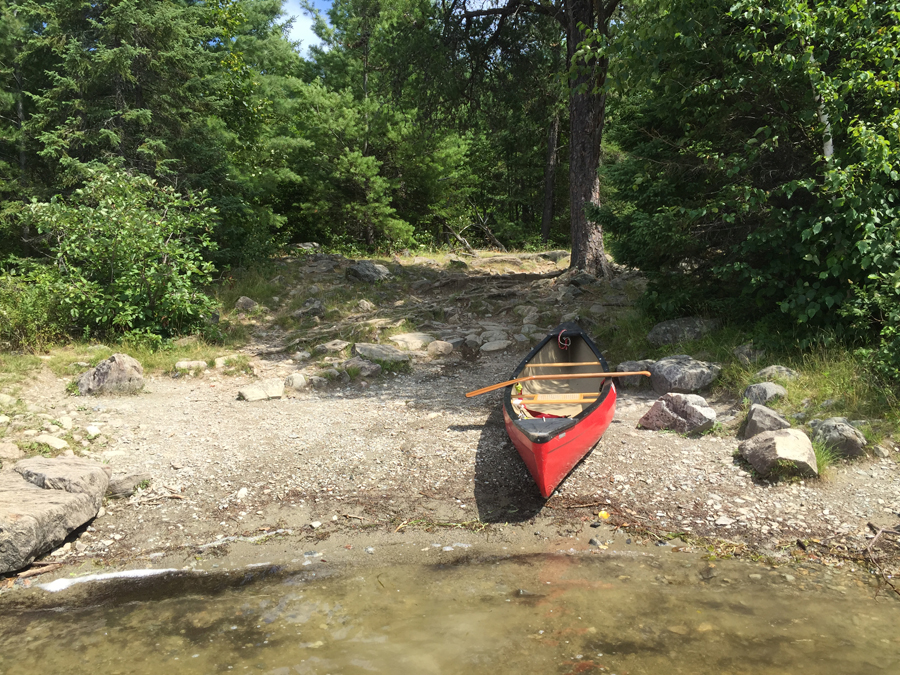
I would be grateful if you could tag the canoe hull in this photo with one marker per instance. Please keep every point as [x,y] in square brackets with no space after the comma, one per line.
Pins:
[552,448]
[549,463]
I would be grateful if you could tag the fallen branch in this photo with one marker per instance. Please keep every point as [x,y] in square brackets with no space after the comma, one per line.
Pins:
[34,571]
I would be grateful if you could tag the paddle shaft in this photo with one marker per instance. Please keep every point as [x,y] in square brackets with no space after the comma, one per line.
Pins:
[571,376]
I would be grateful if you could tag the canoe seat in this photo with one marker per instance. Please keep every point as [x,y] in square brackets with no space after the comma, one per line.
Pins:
[557,397]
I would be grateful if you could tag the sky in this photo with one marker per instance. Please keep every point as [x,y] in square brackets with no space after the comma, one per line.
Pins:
[302,28]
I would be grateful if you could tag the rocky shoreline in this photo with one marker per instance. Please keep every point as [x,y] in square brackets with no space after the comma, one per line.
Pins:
[357,462]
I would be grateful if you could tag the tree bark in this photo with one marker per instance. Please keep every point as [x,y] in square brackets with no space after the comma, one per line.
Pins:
[587,108]
[550,178]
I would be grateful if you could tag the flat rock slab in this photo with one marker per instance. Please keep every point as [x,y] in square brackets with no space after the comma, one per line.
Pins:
[764,392]
[70,474]
[34,521]
[332,347]
[684,413]
[263,391]
[119,374]
[788,450]
[412,341]
[51,441]
[384,353]
[760,419]
[682,374]
[680,330]
[495,346]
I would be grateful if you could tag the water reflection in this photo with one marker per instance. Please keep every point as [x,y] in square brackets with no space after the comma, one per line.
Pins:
[551,614]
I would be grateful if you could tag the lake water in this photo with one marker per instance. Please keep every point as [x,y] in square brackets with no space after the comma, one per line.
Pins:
[626,614]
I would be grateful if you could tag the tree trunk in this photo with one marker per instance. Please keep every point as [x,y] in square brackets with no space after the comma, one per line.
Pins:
[550,178]
[587,110]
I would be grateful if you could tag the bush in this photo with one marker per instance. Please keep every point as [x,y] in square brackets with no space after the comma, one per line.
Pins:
[29,314]
[127,255]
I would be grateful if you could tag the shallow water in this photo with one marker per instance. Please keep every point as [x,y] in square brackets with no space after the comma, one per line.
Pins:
[627,614]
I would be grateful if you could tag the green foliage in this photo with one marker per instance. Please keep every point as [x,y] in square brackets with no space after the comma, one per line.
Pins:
[725,188]
[126,256]
[30,316]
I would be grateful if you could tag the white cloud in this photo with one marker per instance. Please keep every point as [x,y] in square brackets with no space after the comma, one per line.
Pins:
[302,28]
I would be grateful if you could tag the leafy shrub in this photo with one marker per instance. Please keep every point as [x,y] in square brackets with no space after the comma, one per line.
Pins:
[127,255]
[29,313]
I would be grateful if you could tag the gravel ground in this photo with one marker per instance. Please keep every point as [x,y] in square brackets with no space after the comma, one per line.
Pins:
[408,458]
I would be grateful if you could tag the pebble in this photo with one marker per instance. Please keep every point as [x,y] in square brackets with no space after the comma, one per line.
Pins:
[315,524]
[370,550]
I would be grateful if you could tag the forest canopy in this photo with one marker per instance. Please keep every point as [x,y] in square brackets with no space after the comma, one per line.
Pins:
[730,150]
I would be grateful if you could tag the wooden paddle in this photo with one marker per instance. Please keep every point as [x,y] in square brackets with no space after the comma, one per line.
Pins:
[571,376]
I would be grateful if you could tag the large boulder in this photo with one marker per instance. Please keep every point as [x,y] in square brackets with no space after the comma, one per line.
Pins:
[785,450]
[367,272]
[119,374]
[760,419]
[684,413]
[837,434]
[682,374]
[764,392]
[383,353]
[680,330]
[634,381]
[70,474]
[34,521]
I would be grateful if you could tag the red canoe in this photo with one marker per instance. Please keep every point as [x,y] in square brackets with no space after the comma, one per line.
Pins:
[555,423]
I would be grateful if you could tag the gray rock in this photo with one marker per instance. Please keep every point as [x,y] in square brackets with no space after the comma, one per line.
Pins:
[332,347]
[456,263]
[777,373]
[34,521]
[317,382]
[367,272]
[682,374]
[365,306]
[580,278]
[71,474]
[760,419]
[51,441]
[124,485]
[10,451]
[296,381]
[555,256]
[376,352]
[312,307]
[190,365]
[633,381]
[837,434]
[518,337]
[245,304]
[684,413]
[786,450]
[680,330]
[493,336]
[879,450]
[6,400]
[412,341]
[440,348]
[365,368]
[597,309]
[747,354]
[4,420]
[495,346]
[456,342]
[119,374]
[474,340]
[764,392]
[525,310]
[263,391]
